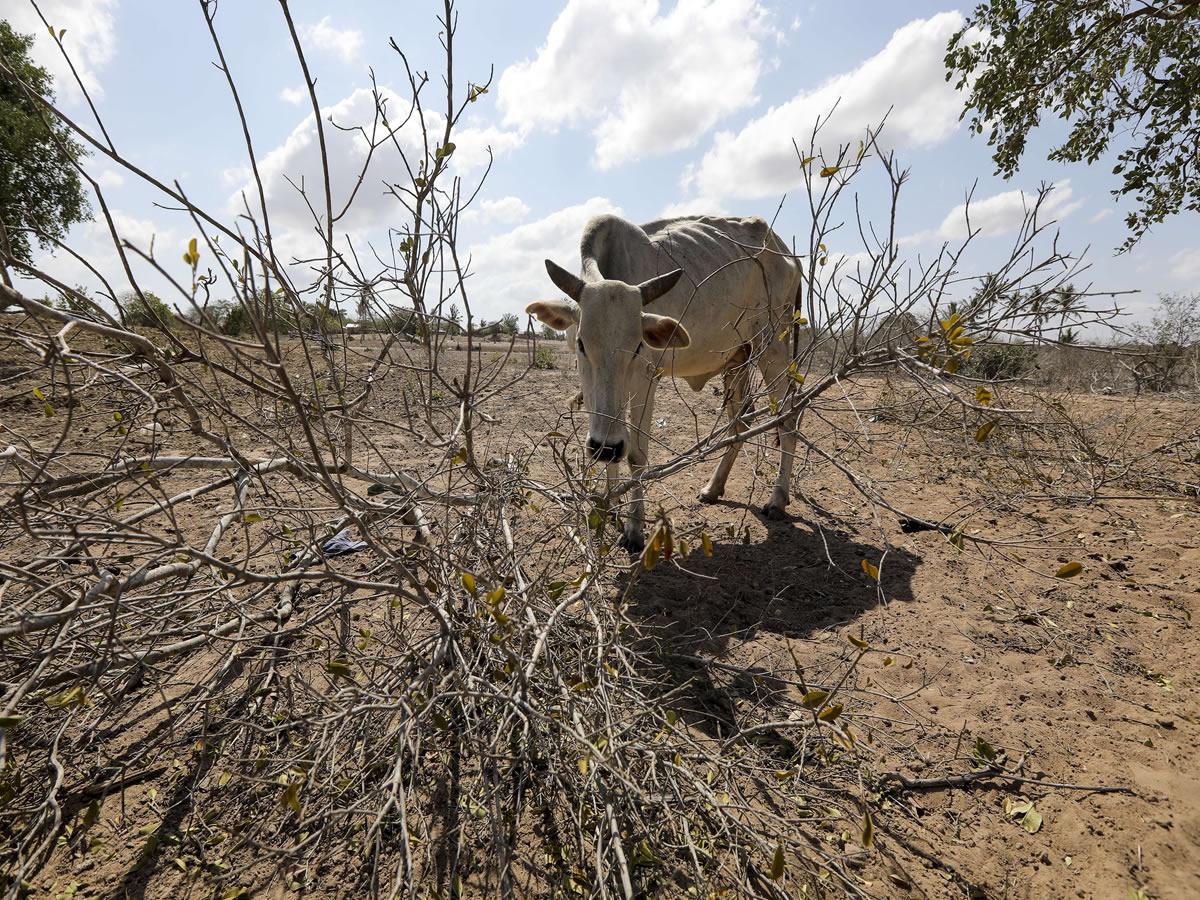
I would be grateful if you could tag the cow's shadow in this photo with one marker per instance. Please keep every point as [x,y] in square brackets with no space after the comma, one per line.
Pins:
[693,619]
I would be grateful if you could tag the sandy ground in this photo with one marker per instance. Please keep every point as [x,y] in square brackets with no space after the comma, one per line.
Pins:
[1092,681]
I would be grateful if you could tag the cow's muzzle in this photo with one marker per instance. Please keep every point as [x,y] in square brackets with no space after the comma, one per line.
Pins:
[605,452]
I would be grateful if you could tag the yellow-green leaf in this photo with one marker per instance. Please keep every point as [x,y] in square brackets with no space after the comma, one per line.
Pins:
[777,863]
[830,171]
[982,432]
[650,555]
[339,667]
[291,797]
[870,570]
[868,830]
[37,392]
[983,396]
[1069,570]
[251,518]
[814,698]
[74,695]
[11,721]
[1032,821]
[831,712]
[468,581]
[857,642]
[706,543]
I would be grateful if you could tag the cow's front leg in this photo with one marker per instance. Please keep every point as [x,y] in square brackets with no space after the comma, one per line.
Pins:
[641,417]
[633,536]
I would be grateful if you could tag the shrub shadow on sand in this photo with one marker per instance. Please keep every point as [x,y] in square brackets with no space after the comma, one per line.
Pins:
[802,580]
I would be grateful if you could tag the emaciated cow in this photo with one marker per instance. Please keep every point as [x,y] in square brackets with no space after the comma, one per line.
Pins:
[694,296]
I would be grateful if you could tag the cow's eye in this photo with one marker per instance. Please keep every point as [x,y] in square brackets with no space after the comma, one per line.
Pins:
[579,344]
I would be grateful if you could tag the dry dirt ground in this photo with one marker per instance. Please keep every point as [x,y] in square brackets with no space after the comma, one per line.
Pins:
[1092,680]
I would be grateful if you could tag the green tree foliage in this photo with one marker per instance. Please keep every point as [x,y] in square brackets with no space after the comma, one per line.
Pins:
[1124,75]
[509,324]
[453,323]
[41,194]
[150,312]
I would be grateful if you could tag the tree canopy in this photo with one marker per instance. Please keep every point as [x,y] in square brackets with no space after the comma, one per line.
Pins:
[41,194]
[1124,74]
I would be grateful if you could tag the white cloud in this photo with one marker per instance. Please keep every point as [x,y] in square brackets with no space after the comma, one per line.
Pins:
[109,178]
[907,76]
[298,160]
[293,95]
[697,206]
[343,42]
[503,209]
[645,83]
[1101,216]
[1185,266]
[90,40]
[472,145]
[92,241]
[509,270]
[1003,213]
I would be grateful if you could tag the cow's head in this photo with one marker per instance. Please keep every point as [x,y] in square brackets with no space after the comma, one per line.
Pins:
[611,331]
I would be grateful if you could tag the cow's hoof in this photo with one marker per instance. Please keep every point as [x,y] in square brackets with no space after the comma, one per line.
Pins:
[708,496]
[775,512]
[634,543]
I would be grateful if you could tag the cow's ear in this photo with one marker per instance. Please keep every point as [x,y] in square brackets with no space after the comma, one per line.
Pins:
[558,314]
[659,285]
[661,332]
[571,285]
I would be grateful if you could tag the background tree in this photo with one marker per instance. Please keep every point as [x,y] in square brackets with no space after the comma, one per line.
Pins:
[145,311]
[1125,75]
[1169,343]
[509,324]
[41,194]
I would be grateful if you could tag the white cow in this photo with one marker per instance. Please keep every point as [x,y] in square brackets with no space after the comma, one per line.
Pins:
[694,296]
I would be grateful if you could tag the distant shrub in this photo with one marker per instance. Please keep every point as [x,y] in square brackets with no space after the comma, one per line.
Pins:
[146,311]
[236,321]
[1169,344]
[1001,362]
[544,358]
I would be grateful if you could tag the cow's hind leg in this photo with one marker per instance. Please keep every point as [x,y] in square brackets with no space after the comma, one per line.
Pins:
[737,378]
[773,365]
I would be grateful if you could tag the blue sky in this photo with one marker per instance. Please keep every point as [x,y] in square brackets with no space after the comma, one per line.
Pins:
[638,106]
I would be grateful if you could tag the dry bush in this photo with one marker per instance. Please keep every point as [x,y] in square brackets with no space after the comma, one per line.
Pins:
[469,703]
